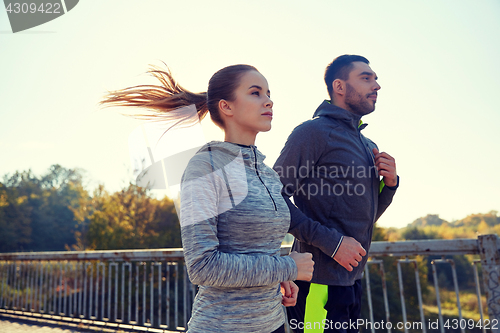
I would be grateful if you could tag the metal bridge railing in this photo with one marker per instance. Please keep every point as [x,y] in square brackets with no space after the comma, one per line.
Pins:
[114,289]
[486,247]
[149,289]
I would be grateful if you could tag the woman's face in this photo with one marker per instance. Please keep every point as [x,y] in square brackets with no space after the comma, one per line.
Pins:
[252,107]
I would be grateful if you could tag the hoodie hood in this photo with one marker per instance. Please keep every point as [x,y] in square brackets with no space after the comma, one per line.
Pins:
[326,109]
[235,149]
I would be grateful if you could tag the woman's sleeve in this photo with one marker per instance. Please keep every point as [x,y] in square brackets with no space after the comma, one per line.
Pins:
[201,189]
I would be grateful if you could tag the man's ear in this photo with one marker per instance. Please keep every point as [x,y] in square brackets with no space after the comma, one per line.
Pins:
[338,87]
[225,108]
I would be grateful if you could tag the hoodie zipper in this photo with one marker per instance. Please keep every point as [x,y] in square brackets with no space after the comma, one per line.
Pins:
[372,158]
[258,175]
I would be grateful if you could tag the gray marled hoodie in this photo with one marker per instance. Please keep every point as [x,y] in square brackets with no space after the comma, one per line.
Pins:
[233,219]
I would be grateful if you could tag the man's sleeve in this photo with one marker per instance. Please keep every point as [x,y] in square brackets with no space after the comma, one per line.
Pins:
[312,232]
[302,149]
[385,198]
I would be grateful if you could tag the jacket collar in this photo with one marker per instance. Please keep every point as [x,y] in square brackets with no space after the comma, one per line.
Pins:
[235,149]
[326,109]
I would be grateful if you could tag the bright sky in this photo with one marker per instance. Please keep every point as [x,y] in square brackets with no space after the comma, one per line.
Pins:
[437,111]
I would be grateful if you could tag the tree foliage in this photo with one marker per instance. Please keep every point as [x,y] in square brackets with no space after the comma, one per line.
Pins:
[36,212]
[433,227]
[130,219]
[55,211]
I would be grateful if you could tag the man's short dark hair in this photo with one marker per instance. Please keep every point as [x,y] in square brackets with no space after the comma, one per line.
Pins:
[340,68]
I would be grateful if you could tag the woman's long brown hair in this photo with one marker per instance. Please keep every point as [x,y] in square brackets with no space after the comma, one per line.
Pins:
[170,95]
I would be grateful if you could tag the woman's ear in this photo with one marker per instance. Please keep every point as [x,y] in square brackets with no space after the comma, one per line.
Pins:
[225,108]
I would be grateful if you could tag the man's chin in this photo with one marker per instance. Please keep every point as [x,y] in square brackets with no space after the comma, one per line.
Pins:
[367,112]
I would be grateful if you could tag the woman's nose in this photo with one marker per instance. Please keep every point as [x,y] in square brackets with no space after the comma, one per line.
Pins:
[269,103]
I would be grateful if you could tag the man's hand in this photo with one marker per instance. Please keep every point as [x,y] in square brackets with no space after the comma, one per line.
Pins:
[349,254]
[386,166]
[290,292]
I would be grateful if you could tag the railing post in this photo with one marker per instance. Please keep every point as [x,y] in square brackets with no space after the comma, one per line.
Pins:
[490,261]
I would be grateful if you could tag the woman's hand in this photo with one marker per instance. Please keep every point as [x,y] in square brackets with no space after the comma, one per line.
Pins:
[290,291]
[305,265]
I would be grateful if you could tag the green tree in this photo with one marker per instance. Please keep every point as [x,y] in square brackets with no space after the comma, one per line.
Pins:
[36,212]
[416,233]
[130,219]
[14,221]
[428,220]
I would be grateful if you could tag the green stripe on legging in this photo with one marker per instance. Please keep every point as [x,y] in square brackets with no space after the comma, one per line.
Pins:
[315,308]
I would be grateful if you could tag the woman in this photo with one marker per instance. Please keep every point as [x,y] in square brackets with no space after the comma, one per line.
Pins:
[233,217]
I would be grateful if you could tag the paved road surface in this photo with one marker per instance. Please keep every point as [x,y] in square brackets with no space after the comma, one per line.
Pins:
[21,327]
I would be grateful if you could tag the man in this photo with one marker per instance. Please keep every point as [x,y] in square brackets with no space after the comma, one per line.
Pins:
[333,173]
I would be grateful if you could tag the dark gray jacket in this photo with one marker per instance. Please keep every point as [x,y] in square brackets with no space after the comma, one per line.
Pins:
[328,167]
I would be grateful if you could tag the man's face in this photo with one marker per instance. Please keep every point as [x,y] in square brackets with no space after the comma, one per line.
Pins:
[361,89]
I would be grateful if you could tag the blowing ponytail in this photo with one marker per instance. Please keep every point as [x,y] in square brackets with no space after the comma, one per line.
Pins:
[162,98]
[170,96]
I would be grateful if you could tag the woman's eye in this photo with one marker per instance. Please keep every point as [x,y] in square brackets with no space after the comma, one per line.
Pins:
[256,93]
